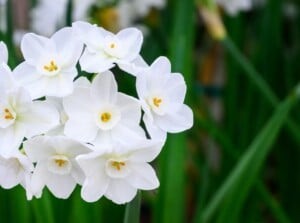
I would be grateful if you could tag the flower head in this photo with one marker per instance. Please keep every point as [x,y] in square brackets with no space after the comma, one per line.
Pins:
[162,94]
[117,172]
[56,166]
[104,115]
[105,49]
[50,64]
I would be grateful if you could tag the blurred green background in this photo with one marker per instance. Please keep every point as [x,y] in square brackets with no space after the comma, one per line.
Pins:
[241,160]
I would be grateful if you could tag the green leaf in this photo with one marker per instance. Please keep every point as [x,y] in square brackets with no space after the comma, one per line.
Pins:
[133,209]
[235,189]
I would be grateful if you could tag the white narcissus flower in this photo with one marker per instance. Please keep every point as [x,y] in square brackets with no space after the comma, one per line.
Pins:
[21,117]
[162,95]
[117,172]
[100,114]
[232,7]
[105,49]
[50,64]
[3,53]
[56,166]
[16,169]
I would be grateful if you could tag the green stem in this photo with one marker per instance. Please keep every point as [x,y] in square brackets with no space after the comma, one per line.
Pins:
[133,209]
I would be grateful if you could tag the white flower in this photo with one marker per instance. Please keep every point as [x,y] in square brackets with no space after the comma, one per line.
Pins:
[117,172]
[105,49]
[162,95]
[3,53]
[21,117]
[56,166]
[232,7]
[100,114]
[50,64]
[16,169]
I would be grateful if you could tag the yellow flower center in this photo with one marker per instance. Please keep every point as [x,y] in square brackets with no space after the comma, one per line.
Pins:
[51,67]
[112,46]
[60,162]
[105,117]
[7,114]
[157,102]
[117,165]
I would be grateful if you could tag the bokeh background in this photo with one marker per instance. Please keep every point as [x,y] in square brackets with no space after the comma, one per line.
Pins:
[241,160]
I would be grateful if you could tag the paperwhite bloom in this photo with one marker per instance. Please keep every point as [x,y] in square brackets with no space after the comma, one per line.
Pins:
[117,172]
[162,95]
[232,7]
[102,115]
[56,166]
[3,53]
[16,169]
[20,116]
[50,64]
[105,49]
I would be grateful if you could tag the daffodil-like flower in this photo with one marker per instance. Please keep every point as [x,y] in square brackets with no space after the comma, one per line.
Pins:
[56,166]
[105,49]
[50,64]
[16,169]
[117,172]
[104,115]
[162,94]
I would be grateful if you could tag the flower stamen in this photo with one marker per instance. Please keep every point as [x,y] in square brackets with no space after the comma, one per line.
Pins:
[112,46]
[60,162]
[117,165]
[51,67]
[157,102]
[7,114]
[105,117]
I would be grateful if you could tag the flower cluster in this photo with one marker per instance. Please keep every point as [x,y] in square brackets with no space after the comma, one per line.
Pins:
[57,132]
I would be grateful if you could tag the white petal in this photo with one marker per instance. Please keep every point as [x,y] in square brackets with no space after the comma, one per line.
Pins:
[178,121]
[32,47]
[176,88]
[38,179]
[61,85]
[125,134]
[82,82]
[94,187]
[10,172]
[104,88]
[28,77]
[120,192]
[60,185]
[7,81]
[135,67]
[38,148]
[95,62]
[81,128]
[132,40]
[130,109]
[161,66]
[3,53]
[10,139]
[65,145]
[79,103]
[70,48]
[153,130]
[145,151]
[40,118]
[142,176]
